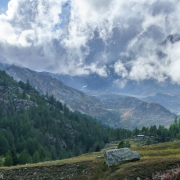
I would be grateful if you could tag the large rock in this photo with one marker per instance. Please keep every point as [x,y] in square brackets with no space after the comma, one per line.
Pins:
[116,156]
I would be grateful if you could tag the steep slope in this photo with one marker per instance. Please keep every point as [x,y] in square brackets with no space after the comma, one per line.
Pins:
[75,99]
[34,127]
[124,112]
[137,113]
[169,101]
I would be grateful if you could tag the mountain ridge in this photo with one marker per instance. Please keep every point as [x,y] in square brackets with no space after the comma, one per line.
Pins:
[93,105]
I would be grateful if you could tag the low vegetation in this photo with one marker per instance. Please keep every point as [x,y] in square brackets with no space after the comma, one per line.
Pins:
[160,161]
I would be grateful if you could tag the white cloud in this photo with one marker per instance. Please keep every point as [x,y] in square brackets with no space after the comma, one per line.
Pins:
[121,83]
[80,37]
[173,68]
[120,69]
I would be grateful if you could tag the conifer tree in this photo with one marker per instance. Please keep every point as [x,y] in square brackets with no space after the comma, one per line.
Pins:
[42,154]
[36,157]
[14,157]
[24,157]
[8,160]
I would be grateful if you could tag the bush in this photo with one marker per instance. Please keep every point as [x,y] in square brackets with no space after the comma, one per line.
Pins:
[121,145]
[124,144]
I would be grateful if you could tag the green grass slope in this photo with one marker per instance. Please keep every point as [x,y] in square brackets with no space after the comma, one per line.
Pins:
[158,161]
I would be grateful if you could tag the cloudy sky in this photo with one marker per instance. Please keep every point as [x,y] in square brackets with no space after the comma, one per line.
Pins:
[79,37]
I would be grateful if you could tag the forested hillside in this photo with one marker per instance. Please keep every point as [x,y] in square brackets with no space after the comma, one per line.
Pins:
[34,127]
[112,109]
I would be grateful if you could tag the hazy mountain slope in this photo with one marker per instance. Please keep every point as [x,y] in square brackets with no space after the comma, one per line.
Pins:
[171,102]
[128,112]
[134,112]
[4,64]
[75,99]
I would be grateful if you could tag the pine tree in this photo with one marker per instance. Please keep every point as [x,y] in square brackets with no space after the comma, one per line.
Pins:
[4,145]
[1,161]
[24,157]
[53,153]
[42,153]
[31,146]
[8,159]
[28,87]
[36,157]
[14,157]
[97,148]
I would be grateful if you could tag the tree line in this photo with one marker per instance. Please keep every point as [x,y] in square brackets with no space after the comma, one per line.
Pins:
[51,131]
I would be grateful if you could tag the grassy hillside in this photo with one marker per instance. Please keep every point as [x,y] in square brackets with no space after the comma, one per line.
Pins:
[158,161]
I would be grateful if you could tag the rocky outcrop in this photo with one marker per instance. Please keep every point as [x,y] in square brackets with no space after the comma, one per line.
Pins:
[21,103]
[117,156]
[9,98]
[18,104]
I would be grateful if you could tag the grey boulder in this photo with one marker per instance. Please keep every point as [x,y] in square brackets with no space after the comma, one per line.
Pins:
[117,156]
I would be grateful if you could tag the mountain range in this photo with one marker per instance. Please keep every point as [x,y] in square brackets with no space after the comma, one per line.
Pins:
[113,109]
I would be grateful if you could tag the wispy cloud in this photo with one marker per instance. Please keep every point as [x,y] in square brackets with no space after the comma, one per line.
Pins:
[80,37]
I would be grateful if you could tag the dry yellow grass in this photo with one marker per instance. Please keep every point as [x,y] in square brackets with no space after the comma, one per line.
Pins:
[155,158]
